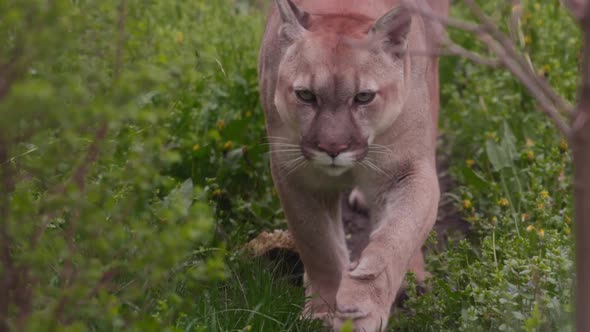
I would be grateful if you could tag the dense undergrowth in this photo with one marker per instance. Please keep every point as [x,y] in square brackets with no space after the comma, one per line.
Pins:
[134,169]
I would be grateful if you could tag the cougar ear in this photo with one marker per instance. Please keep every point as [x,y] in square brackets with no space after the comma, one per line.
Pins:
[294,21]
[392,30]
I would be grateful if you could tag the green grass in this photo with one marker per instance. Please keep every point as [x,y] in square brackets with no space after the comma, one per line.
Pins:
[255,297]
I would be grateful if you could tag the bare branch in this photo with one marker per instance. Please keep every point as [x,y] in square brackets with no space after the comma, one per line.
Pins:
[452,49]
[549,101]
[529,83]
[510,50]
[458,50]
[448,21]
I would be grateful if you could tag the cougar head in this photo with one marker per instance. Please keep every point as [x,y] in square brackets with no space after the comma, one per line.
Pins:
[341,82]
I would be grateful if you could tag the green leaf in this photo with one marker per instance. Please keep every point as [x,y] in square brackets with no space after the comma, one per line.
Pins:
[509,142]
[474,178]
[497,156]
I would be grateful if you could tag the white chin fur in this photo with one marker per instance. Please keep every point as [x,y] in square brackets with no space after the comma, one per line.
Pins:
[336,166]
[334,170]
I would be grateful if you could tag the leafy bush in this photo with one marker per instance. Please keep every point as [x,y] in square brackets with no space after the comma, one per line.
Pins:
[98,102]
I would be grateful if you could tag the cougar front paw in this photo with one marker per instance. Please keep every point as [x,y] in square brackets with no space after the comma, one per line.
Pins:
[366,302]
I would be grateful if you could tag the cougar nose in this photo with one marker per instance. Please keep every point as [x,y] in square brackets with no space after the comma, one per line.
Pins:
[332,149]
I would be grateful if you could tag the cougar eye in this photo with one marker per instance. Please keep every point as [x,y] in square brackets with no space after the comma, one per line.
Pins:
[364,97]
[305,96]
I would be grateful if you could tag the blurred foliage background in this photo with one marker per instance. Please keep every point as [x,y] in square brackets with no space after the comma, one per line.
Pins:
[133,169]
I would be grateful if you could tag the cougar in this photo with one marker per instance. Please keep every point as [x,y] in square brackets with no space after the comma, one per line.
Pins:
[350,94]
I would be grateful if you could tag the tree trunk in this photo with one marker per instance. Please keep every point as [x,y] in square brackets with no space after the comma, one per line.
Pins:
[581,153]
[580,145]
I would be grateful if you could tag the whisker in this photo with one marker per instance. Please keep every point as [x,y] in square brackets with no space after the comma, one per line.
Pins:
[278,137]
[362,164]
[285,158]
[281,144]
[284,153]
[367,165]
[288,164]
[284,150]
[385,146]
[380,147]
[304,162]
[380,152]
[376,168]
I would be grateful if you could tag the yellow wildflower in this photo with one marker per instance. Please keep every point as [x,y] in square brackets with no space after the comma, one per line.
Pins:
[567,219]
[216,193]
[541,233]
[220,125]
[563,145]
[530,155]
[228,145]
[470,162]
[503,202]
[528,39]
[196,147]
[530,228]
[467,204]
[540,206]
[494,220]
[248,114]
[529,142]
[491,135]
[544,194]
[179,37]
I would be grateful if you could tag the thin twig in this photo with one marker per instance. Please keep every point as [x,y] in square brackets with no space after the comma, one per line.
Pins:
[502,46]
[448,21]
[458,50]
[510,50]
[450,48]
[528,82]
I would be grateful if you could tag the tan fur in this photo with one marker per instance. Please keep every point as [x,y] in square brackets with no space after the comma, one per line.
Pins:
[385,149]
